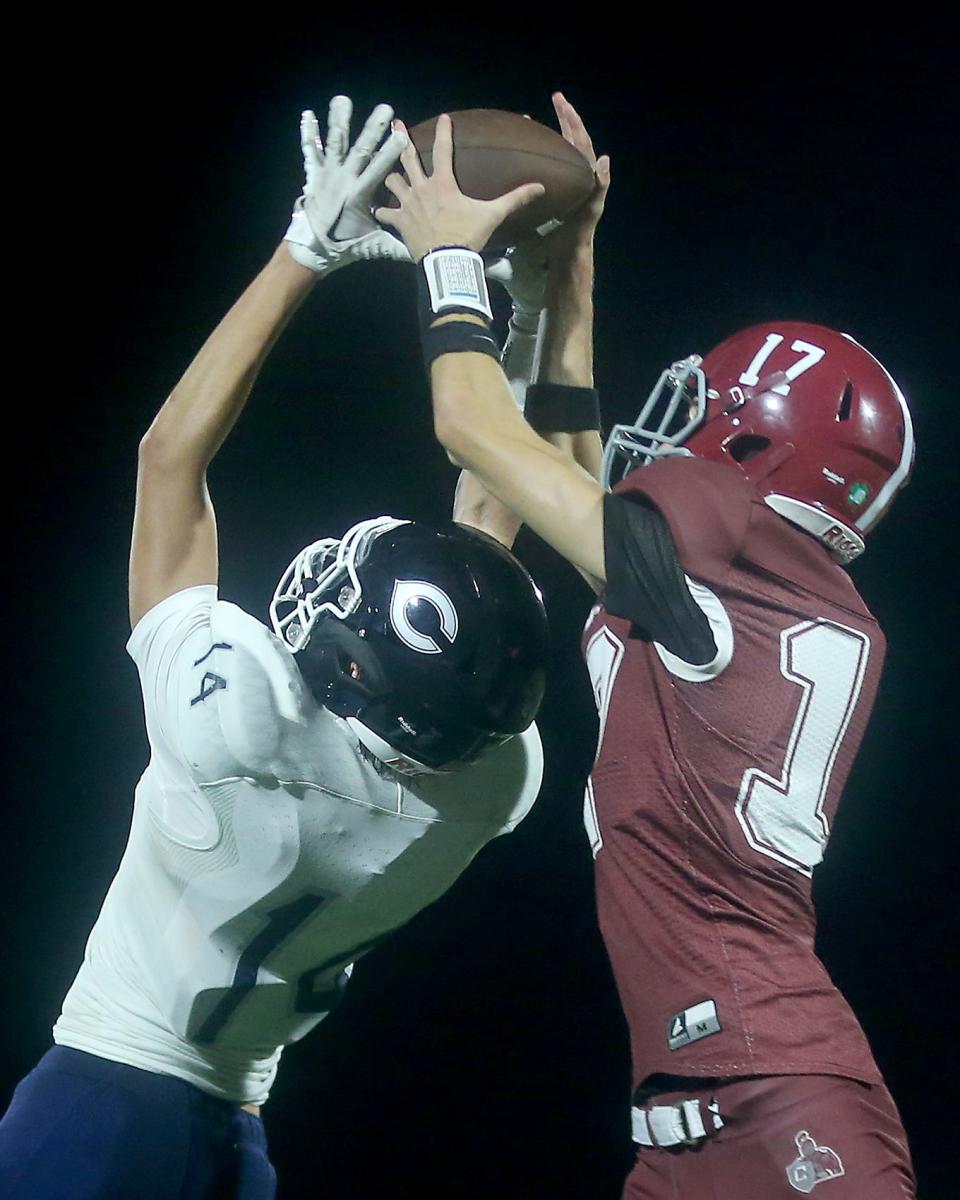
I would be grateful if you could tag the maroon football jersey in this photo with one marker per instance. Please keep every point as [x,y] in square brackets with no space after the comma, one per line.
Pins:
[715,786]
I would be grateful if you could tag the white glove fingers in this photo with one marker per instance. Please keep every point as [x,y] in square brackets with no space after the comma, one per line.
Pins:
[523,273]
[370,135]
[382,163]
[310,143]
[338,127]
[398,250]
[387,245]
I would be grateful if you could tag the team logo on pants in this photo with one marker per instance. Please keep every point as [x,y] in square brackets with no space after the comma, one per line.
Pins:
[816,1164]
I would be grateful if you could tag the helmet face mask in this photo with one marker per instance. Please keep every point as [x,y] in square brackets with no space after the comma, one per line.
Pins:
[673,410]
[322,579]
[429,642]
[806,413]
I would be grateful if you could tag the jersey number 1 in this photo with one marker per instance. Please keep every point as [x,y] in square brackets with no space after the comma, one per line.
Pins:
[783,817]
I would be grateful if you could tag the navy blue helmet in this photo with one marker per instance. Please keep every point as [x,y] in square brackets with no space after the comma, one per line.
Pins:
[429,640]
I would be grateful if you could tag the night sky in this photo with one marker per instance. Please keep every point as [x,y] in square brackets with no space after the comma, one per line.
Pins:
[805,174]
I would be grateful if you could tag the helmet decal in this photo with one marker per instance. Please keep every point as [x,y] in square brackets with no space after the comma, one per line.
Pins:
[407,592]
[810,355]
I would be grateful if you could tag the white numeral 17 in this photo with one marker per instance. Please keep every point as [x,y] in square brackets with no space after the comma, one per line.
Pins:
[811,355]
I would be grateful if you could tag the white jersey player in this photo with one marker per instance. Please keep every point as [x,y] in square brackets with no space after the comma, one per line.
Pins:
[267,851]
[310,787]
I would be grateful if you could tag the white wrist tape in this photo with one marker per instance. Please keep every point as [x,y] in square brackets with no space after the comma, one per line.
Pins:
[455,280]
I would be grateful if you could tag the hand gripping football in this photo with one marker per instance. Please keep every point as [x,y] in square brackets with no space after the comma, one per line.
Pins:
[495,151]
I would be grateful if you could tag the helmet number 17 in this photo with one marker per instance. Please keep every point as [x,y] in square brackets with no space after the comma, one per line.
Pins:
[810,356]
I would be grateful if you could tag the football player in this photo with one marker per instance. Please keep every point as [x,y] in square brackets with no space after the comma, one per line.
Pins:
[311,785]
[734,667]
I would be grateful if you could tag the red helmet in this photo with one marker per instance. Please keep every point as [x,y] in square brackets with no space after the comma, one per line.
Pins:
[808,415]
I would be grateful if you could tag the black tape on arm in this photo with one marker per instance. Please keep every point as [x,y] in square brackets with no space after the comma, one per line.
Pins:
[557,408]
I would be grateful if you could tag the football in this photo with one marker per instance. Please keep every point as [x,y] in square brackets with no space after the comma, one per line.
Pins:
[495,151]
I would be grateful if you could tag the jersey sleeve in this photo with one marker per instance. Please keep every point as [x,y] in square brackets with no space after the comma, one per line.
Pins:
[706,506]
[165,645]
[645,583]
[671,532]
[217,687]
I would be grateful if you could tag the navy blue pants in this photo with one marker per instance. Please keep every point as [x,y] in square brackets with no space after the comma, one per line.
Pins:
[84,1128]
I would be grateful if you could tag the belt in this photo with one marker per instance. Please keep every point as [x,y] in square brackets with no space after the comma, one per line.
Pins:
[683,1124]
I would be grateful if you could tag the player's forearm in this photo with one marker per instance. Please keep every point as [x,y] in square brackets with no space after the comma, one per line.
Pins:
[473,503]
[585,448]
[566,355]
[481,429]
[476,506]
[474,415]
[204,406]
[478,424]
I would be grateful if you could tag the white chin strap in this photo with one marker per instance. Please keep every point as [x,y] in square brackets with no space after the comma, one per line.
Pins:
[844,543]
[387,754]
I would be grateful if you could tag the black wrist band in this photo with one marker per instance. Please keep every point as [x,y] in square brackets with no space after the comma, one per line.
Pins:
[556,408]
[456,337]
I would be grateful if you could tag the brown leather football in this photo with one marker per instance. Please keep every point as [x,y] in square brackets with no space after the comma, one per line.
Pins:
[495,151]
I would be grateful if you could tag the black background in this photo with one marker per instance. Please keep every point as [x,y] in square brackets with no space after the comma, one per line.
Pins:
[793,169]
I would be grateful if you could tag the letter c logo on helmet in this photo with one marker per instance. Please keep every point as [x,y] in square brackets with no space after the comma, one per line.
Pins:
[407,592]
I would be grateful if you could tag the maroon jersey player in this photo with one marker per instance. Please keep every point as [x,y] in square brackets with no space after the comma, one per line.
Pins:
[727,737]
[734,666]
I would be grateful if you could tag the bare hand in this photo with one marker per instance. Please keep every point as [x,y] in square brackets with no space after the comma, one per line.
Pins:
[433,211]
[579,227]
[523,269]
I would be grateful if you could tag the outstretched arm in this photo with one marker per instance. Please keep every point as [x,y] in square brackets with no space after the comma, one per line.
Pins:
[476,422]
[473,504]
[550,335]
[567,345]
[556,349]
[567,356]
[174,542]
[474,415]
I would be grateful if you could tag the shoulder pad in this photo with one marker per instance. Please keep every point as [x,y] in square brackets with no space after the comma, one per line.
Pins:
[259,695]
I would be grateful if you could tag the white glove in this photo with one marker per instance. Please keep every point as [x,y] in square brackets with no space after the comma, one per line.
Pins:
[332,223]
[522,271]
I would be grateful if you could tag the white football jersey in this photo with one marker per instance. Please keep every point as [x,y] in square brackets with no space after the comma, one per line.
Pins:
[265,856]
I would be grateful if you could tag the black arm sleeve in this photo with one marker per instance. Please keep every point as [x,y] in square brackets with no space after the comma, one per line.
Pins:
[645,583]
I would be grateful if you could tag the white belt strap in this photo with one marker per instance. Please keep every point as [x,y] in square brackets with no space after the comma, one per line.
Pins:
[674,1124]
[692,1120]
